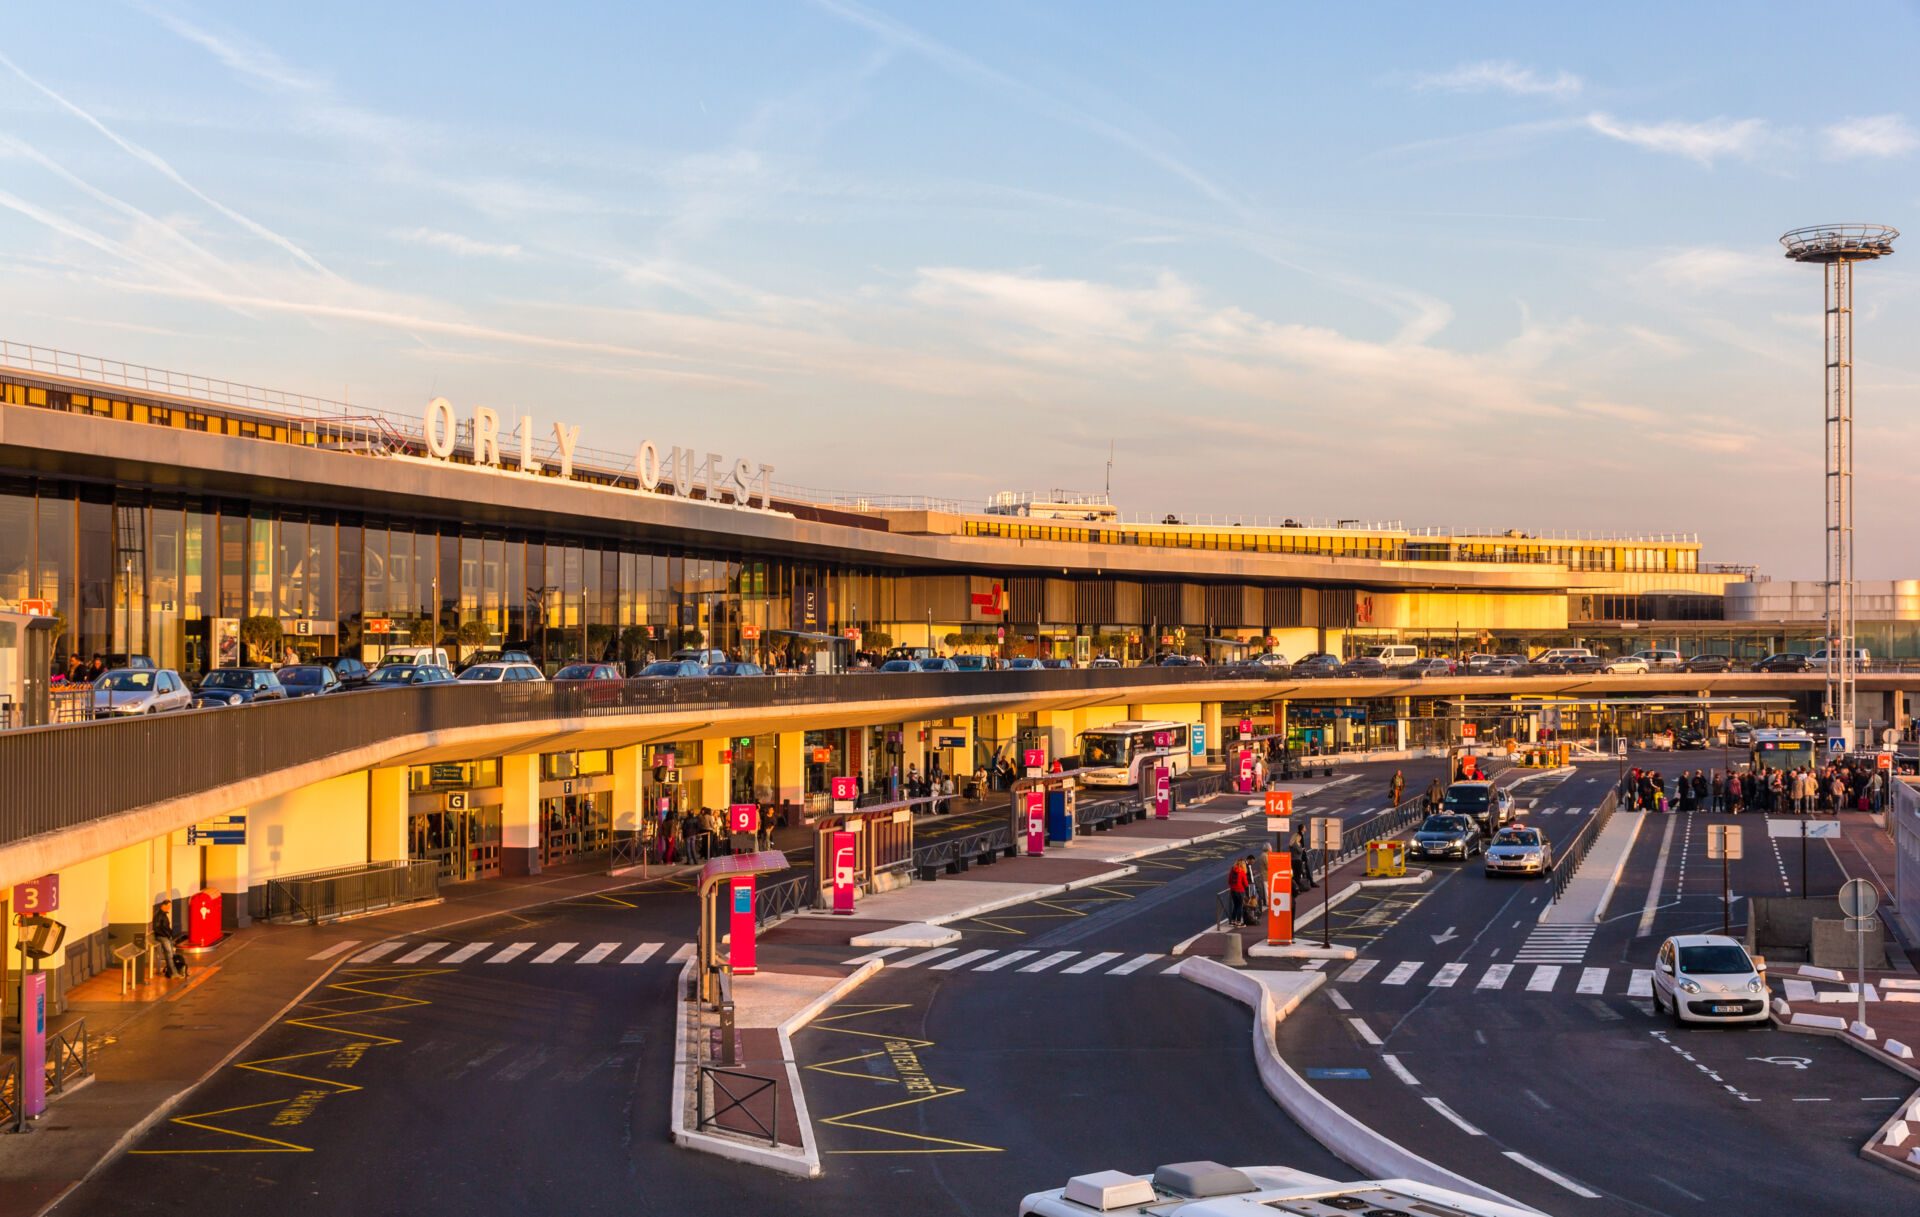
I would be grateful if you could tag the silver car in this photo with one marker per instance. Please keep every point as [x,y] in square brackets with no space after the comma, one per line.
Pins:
[125,691]
[1519,850]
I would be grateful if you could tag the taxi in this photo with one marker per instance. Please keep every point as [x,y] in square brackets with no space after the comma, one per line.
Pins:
[1519,849]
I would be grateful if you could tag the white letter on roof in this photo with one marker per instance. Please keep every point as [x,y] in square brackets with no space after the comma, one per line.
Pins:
[441,429]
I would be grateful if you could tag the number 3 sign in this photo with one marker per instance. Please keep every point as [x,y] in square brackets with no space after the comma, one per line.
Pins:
[42,895]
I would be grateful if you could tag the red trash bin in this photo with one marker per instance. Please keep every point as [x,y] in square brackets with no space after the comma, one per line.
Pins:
[203,919]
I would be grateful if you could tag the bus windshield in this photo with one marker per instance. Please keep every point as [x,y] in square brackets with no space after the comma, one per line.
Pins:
[1783,754]
[1103,751]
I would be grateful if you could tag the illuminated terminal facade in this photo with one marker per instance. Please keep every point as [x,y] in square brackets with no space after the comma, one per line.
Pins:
[152,512]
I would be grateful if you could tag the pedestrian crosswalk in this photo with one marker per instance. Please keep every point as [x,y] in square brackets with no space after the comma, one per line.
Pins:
[1530,978]
[1555,944]
[1025,962]
[396,951]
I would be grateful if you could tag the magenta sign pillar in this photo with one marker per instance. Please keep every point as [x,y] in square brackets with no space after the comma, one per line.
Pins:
[1036,810]
[33,1041]
[844,882]
[1162,791]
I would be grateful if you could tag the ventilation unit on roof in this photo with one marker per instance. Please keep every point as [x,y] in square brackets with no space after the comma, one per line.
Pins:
[1201,1179]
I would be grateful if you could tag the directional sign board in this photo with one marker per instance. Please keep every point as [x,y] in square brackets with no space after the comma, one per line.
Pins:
[1325,833]
[1723,841]
[1813,830]
[1279,808]
[1858,898]
[221,830]
[41,895]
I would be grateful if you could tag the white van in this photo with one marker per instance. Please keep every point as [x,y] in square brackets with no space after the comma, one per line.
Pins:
[1562,654]
[1861,657]
[430,656]
[1394,656]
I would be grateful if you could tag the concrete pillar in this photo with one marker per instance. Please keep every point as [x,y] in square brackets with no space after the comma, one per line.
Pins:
[135,876]
[1059,728]
[387,802]
[792,776]
[229,872]
[520,815]
[629,769]
[1210,719]
[715,774]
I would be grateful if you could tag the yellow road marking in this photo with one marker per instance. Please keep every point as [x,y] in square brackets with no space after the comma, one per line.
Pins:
[926,1089]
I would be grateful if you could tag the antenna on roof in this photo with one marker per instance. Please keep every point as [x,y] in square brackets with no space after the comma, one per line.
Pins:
[1109,470]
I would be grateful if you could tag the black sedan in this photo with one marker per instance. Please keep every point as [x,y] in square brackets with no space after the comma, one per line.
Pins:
[1364,666]
[1689,738]
[1584,665]
[309,680]
[238,687]
[1707,663]
[1446,837]
[1785,662]
[1314,667]
[352,672]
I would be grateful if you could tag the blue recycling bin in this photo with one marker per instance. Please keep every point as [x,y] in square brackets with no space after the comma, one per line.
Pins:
[1059,819]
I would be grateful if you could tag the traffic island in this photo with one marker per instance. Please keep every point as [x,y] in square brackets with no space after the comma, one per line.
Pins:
[1820,1002]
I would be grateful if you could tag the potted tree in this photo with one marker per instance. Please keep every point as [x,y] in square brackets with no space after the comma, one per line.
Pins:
[261,636]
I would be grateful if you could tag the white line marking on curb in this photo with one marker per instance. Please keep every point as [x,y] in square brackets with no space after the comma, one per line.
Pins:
[1548,1173]
[1652,905]
[1454,1116]
[1004,960]
[1365,1032]
[1400,1071]
[1339,1002]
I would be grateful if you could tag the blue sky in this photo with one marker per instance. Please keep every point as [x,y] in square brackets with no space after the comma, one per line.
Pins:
[1492,266]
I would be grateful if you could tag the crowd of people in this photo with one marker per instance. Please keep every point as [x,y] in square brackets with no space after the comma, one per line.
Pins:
[1799,791]
[695,836]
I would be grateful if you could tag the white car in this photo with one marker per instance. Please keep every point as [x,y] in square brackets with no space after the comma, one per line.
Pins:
[496,673]
[1270,659]
[1659,661]
[1626,665]
[125,691]
[1708,978]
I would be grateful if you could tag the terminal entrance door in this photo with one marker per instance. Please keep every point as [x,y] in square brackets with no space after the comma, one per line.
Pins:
[464,844]
[575,826]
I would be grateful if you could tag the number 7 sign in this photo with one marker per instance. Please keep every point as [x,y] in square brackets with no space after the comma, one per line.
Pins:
[40,895]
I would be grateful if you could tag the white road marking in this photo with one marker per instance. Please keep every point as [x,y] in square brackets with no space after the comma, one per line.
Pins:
[1400,1071]
[373,953]
[1652,905]
[1339,1001]
[1401,974]
[1313,965]
[1454,1116]
[1549,1173]
[1543,978]
[467,952]
[1642,983]
[1592,980]
[1004,960]
[420,953]
[1447,975]
[1053,960]
[1090,963]
[508,954]
[922,957]
[1365,1032]
[553,953]
[642,953]
[336,948]
[683,954]
[961,961]
[1496,977]
[1135,964]
[599,952]
[1359,969]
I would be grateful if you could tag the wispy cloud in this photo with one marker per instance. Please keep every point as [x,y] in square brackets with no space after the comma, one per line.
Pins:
[454,243]
[1500,76]
[245,58]
[1703,142]
[1882,136]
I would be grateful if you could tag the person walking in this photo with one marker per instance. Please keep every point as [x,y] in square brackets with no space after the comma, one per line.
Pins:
[1303,880]
[1237,891]
[1396,788]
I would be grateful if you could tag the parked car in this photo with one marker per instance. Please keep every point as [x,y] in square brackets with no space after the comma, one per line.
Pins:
[705,658]
[1024,663]
[1496,665]
[407,675]
[1520,849]
[119,659]
[238,686]
[1058,664]
[1316,666]
[499,673]
[1487,806]
[1707,663]
[1658,660]
[1785,661]
[1862,657]
[1626,665]
[1708,978]
[590,671]
[1740,733]
[674,667]
[123,691]
[1171,660]
[309,680]
[939,663]
[1363,666]
[351,671]
[1446,836]
[1104,661]
[913,665]
[983,663]
[495,655]
[429,656]
[1270,659]
[1689,738]
[736,667]
[1584,665]
[1425,669]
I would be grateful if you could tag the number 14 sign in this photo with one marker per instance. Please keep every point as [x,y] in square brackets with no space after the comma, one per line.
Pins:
[40,895]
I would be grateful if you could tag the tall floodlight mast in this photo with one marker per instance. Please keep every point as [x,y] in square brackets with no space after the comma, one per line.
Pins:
[1835,248]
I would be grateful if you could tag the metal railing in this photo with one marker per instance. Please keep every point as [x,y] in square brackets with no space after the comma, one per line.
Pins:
[785,898]
[69,1057]
[13,1106]
[712,1085]
[1567,861]
[952,853]
[1391,822]
[330,895]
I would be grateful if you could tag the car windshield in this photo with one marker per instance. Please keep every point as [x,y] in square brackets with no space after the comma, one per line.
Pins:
[1720,959]
[486,674]
[228,678]
[1526,837]
[577,671]
[126,682]
[1444,824]
[665,667]
[392,674]
[898,665]
[1467,798]
[300,676]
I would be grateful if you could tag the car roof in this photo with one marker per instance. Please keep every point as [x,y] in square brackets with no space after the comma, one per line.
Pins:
[1705,940]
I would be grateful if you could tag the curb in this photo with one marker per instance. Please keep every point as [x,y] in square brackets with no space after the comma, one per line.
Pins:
[803,1162]
[1874,1053]
[1345,1137]
[1613,880]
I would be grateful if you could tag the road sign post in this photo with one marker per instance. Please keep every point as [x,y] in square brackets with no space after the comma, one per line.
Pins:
[1858,900]
[1279,808]
[1723,842]
[1324,835]
[1279,897]
[844,881]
